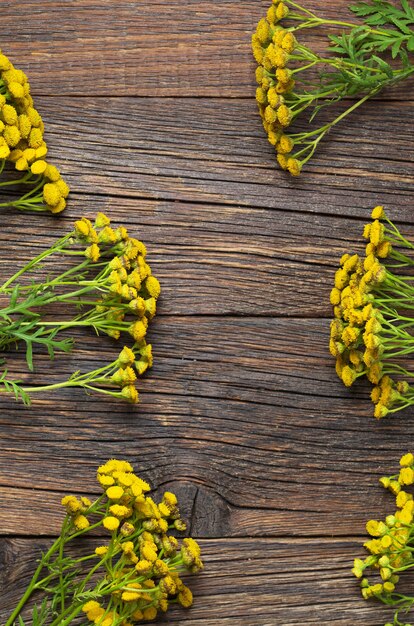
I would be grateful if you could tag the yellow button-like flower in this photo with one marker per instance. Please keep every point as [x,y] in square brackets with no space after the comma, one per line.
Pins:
[16,90]
[90,606]
[126,357]
[406,476]
[407,460]
[35,138]
[130,394]
[148,552]
[130,596]
[153,287]
[102,220]
[9,114]
[111,523]
[149,613]
[59,207]
[119,510]
[51,194]
[378,213]
[81,522]
[93,253]
[4,150]
[34,117]
[12,135]
[185,597]
[115,492]
[38,167]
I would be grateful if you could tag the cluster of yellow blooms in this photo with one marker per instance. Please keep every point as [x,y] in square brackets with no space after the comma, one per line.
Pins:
[124,277]
[111,289]
[372,330]
[272,47]
[22,143]
[146,576]
[137,572]
[391,545]
[296,81]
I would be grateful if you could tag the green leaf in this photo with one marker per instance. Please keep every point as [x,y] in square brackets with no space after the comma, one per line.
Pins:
[29,355]
[383,65]
[404,58]
[396,48]
[400,25]
[382,13]
[14,388]
[14,296]
[362,9]
[51,351]
[409,11]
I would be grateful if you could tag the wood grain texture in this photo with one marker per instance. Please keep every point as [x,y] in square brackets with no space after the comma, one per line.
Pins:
[243,417]
[150,115]
[276,583]
[212,260]
[215,151]
[143,48]
[207,202]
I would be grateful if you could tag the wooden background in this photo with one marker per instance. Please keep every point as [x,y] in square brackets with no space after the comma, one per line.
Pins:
[150,114]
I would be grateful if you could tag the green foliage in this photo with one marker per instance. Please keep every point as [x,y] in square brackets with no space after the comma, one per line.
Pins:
[110,289]
[358,62]
[397,36]
[13,387]
[78,582]
[382,13]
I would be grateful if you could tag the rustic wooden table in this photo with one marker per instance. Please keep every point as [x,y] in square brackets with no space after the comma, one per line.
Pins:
[150,114]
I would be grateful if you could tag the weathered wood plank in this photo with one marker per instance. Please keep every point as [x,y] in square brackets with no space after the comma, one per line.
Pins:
[246,583]
[215,260]
[215,151]
[247,412]
[224,258]
[243,417]
[154,49]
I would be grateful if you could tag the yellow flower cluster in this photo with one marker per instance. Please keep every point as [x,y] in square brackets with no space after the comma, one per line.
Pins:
[142,561]
[128,365]
[76,507]
[131,289]
[297,82]
[111,289]
[22,143]
[391,543]
[368,334]
[273,46]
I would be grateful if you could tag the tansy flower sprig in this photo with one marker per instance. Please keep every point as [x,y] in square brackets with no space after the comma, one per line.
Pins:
[391,547]
[372,329]
[110,288]
[295,81]
[22,143]
[135,572]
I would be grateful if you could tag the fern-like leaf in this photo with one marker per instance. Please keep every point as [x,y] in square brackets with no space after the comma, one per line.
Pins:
[382,13]
[13,387]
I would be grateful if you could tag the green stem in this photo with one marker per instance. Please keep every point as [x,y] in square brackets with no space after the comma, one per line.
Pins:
[340,117]
[34,261]
[62,590]
[67,618]
[19,181]
[32,586]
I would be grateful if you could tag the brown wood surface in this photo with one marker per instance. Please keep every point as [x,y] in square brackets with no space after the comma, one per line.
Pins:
[299,570]
[150,115]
